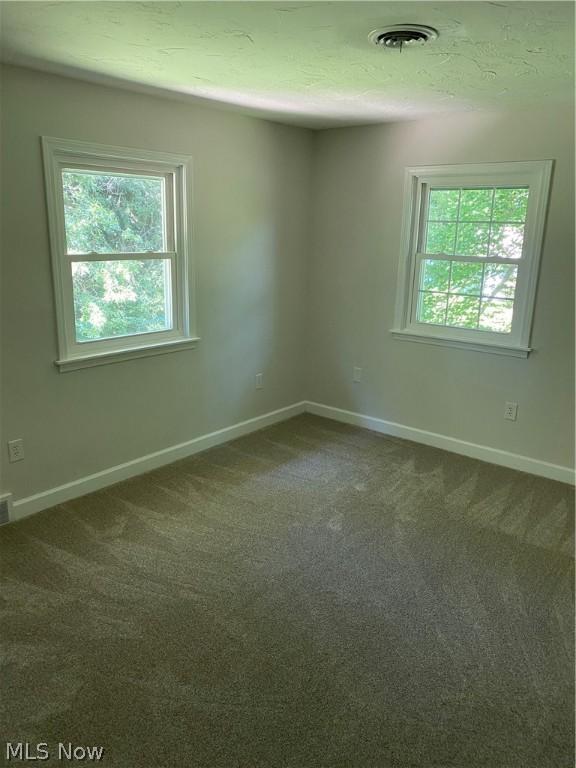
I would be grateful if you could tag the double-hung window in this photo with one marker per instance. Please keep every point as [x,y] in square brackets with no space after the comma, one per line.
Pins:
[471,244]
[120,241]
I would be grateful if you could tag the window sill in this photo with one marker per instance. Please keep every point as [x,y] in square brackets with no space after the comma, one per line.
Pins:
[120,355]
[473,346]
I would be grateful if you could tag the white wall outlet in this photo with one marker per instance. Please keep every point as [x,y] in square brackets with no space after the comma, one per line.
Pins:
[356,374]
[16,450]
[510,411]
[259,380]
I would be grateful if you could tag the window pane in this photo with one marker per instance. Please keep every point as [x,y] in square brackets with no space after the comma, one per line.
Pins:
[105,213]
[466,278]
[440,238]
[120,298]
[510,204]
[479,224]
[500,281]
[472,239]
[496,315]
[432,308]
[443,204]
[435,275]
[463,311]
[506,241]
[476,205]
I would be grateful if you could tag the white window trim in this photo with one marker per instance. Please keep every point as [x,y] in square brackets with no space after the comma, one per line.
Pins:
[177,170]
[536,175]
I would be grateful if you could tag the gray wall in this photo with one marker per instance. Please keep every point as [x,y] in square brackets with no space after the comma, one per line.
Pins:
[358,184]
[296,239]
[251,216]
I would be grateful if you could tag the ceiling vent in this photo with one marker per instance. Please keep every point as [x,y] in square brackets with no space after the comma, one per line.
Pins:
[399,35]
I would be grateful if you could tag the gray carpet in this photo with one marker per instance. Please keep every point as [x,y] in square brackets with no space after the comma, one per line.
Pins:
[309,595]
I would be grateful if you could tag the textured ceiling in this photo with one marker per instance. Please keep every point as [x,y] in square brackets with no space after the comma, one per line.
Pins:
[307,63]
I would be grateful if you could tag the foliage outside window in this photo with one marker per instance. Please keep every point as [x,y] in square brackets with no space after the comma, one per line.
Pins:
[471,243]
[120,251]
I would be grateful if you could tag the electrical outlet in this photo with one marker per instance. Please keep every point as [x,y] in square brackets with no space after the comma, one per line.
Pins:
[356,375]
[510,411]
[16,450]
[259,380]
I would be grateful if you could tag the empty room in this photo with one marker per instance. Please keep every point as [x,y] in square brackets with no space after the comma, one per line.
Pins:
[287,384]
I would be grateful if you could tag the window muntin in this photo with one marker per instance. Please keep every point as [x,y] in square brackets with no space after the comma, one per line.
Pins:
[471,245]
[120,250]
[467,295]
[480,222]
[486,225]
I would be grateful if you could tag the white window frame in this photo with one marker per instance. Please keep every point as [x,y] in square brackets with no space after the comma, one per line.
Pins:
[536,175]
[176,170]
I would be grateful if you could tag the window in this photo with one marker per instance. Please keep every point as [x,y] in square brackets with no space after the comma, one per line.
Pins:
[470,251]
[120,251]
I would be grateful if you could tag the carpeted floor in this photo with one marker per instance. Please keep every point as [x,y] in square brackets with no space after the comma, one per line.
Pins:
[312,595]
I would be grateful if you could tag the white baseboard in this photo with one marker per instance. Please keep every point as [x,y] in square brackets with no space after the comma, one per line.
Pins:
[452,444]
[29,505]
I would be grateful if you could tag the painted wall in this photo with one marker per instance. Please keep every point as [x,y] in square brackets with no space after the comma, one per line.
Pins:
[358,183]
[251,216]
[296,240]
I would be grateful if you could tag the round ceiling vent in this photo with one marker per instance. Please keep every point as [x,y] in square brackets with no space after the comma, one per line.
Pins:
[399,35]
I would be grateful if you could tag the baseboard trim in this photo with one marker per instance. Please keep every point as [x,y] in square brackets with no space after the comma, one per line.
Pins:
[50,498]
[39,501]
[452,444]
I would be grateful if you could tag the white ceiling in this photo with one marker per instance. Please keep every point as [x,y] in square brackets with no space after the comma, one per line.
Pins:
[307,63]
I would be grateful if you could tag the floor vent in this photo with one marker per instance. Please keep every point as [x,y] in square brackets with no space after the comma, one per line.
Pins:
[5,508]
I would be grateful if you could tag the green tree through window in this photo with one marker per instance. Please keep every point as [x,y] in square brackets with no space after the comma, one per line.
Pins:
[478,224]
[110,214]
